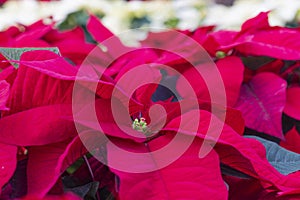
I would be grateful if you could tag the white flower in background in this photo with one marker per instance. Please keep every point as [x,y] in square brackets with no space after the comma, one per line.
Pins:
[120,15]
[232,17]
[190,13]
[282,11]
[24,12]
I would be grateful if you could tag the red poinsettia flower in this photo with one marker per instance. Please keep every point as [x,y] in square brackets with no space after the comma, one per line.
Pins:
[38,118]
[46,94]
[245,155]
[257,38]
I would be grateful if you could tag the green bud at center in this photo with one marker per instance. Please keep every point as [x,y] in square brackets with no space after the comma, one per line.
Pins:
[220,54]
[140,125]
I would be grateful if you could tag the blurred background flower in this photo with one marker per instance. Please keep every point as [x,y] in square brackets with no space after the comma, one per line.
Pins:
[120,15]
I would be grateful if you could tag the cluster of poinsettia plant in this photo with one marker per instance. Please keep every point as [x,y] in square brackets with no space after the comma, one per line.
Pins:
[51,147]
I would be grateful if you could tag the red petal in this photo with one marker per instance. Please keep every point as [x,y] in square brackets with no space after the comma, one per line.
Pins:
[38,126]
[262,101]
[292,141]
[4,93]
[292,106]
[243,154]
[258,22]
[46,163]
[188,177]
[98,30]
[258,38]
[228,67]
[8,162]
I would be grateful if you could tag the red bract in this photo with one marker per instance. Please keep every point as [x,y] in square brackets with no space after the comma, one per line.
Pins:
[35,117]
[49,99]
[97,30]
[71,43]
[37,111]
[257,38]
[4,93]
[8,157]
[162,183]
[292,106]
[262,101]
[8,160]
[52,158]
[243,154]
[292,140]
[117,58]
[187,178]
[40,116]
[228,67]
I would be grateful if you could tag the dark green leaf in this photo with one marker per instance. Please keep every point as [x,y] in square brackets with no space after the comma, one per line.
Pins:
[74,19]
[138,22]
[226,170]
[284,161]
[87,191]
[254,62]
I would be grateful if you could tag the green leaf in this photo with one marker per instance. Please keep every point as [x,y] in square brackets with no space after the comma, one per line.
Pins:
[255,62]
[283,160]
[87,191]
[75,166]
[172,22]
[14,54]
[77,18]
[138,22]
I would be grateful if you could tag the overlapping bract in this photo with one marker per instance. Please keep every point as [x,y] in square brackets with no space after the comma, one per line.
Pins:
[36,112]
